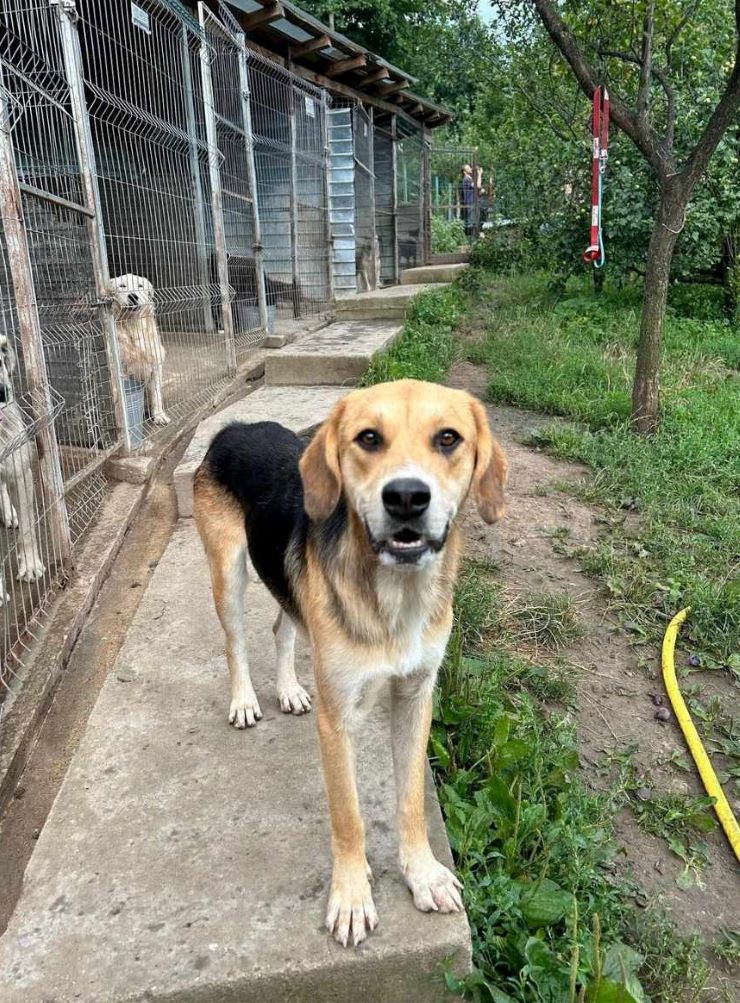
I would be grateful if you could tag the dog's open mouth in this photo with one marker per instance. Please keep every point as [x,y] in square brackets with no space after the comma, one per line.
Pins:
[406,546]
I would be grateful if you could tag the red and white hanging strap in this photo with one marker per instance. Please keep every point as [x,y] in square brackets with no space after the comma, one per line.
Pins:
[594,253]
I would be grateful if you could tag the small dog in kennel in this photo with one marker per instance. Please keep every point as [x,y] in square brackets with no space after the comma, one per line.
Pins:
[17,502]
[139,341]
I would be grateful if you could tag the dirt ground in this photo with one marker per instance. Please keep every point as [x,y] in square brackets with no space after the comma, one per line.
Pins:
[616,680]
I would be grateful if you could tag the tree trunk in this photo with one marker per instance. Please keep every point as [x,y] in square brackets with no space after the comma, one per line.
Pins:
[646,388]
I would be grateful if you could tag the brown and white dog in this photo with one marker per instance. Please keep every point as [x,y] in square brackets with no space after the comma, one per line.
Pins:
[139,341]
[355,535]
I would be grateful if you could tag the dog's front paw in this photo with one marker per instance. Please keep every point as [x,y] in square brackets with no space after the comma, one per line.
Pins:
[160,418]
[351,910]
[433,886]
[293,699]
[29,568]
[244,711]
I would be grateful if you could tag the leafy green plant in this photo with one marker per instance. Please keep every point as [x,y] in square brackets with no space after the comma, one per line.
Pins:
[448,235]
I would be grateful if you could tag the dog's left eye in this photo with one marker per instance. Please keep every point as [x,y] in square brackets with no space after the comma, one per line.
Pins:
[369,439]
[447,439]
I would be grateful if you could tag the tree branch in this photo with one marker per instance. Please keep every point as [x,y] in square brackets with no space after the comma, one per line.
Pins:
[683,21]
[644,138]
[662,78]
[541,111]
[643,88]
[721,119]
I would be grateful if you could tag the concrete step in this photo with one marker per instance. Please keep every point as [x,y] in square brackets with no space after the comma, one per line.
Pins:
[298,408]
[389,303]
[432,273]
[453,258]
[337,354]
[184,860]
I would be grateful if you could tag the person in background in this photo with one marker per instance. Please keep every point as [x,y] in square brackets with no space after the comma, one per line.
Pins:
[467,198]
[482,198]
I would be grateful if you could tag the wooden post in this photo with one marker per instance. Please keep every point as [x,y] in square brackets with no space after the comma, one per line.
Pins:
[199,215]
[259,261]
[294,206]
[29,329]
[219,232]
[67,14]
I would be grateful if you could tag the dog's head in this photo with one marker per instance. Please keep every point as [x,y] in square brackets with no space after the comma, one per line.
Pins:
[132,294]
[7,368]
[405,456]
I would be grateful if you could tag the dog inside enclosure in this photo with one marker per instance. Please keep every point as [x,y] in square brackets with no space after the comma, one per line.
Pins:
[140,345]
[356,537]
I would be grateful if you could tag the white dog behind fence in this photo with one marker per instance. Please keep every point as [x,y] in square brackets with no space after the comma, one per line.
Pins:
[17,500]
[139,341]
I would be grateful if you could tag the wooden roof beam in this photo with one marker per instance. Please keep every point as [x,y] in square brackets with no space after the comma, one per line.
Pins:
[394,88]
[258,18]
[345,66]
[373,78]
[310,45]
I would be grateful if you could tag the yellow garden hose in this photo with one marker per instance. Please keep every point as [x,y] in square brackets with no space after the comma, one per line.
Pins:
[706,771]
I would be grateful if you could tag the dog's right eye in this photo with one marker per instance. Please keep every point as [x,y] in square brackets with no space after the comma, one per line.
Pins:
[369,439]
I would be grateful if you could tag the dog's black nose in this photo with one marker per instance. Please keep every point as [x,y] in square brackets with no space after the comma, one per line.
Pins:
[133,299]
[406,498]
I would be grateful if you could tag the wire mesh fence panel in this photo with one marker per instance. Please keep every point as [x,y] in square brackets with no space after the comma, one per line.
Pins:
[367,251]
[409,197]
[57,423]
[142,68]
[55,220]
[233,126]
[385,222]
[459,196]
[288,134]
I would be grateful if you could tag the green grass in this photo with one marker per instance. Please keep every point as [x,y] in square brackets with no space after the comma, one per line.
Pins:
[534,847]
[426,347]
[574,358]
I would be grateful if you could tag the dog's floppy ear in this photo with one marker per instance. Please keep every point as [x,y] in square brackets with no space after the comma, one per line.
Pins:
[319,466]
[491,467]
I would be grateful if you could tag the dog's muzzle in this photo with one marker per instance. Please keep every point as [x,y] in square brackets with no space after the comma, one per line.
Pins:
[405,501]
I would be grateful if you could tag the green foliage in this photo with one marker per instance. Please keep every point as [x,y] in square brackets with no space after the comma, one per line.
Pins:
[533,845]
[573,357]
[425,349]
[448,235]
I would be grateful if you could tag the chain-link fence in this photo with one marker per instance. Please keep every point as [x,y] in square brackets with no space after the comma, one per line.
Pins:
[410,202]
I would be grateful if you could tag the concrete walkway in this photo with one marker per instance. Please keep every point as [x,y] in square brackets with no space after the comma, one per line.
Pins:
[186,861]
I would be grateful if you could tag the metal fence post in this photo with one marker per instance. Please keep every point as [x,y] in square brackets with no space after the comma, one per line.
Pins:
[219,233]
[29,329]
[199,215]
[67,12]
[327,189]
[373,220]
[394,148]
[294,205]
[259,260]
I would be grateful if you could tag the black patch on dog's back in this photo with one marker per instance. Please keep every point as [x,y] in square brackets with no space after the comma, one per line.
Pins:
[258,465]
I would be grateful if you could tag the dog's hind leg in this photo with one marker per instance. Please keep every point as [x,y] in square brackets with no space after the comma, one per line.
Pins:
[221,526]
[292,697]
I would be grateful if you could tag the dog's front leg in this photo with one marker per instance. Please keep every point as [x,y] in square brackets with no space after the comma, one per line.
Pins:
[433,886]
[351,910]
[20,484]
[156,399]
